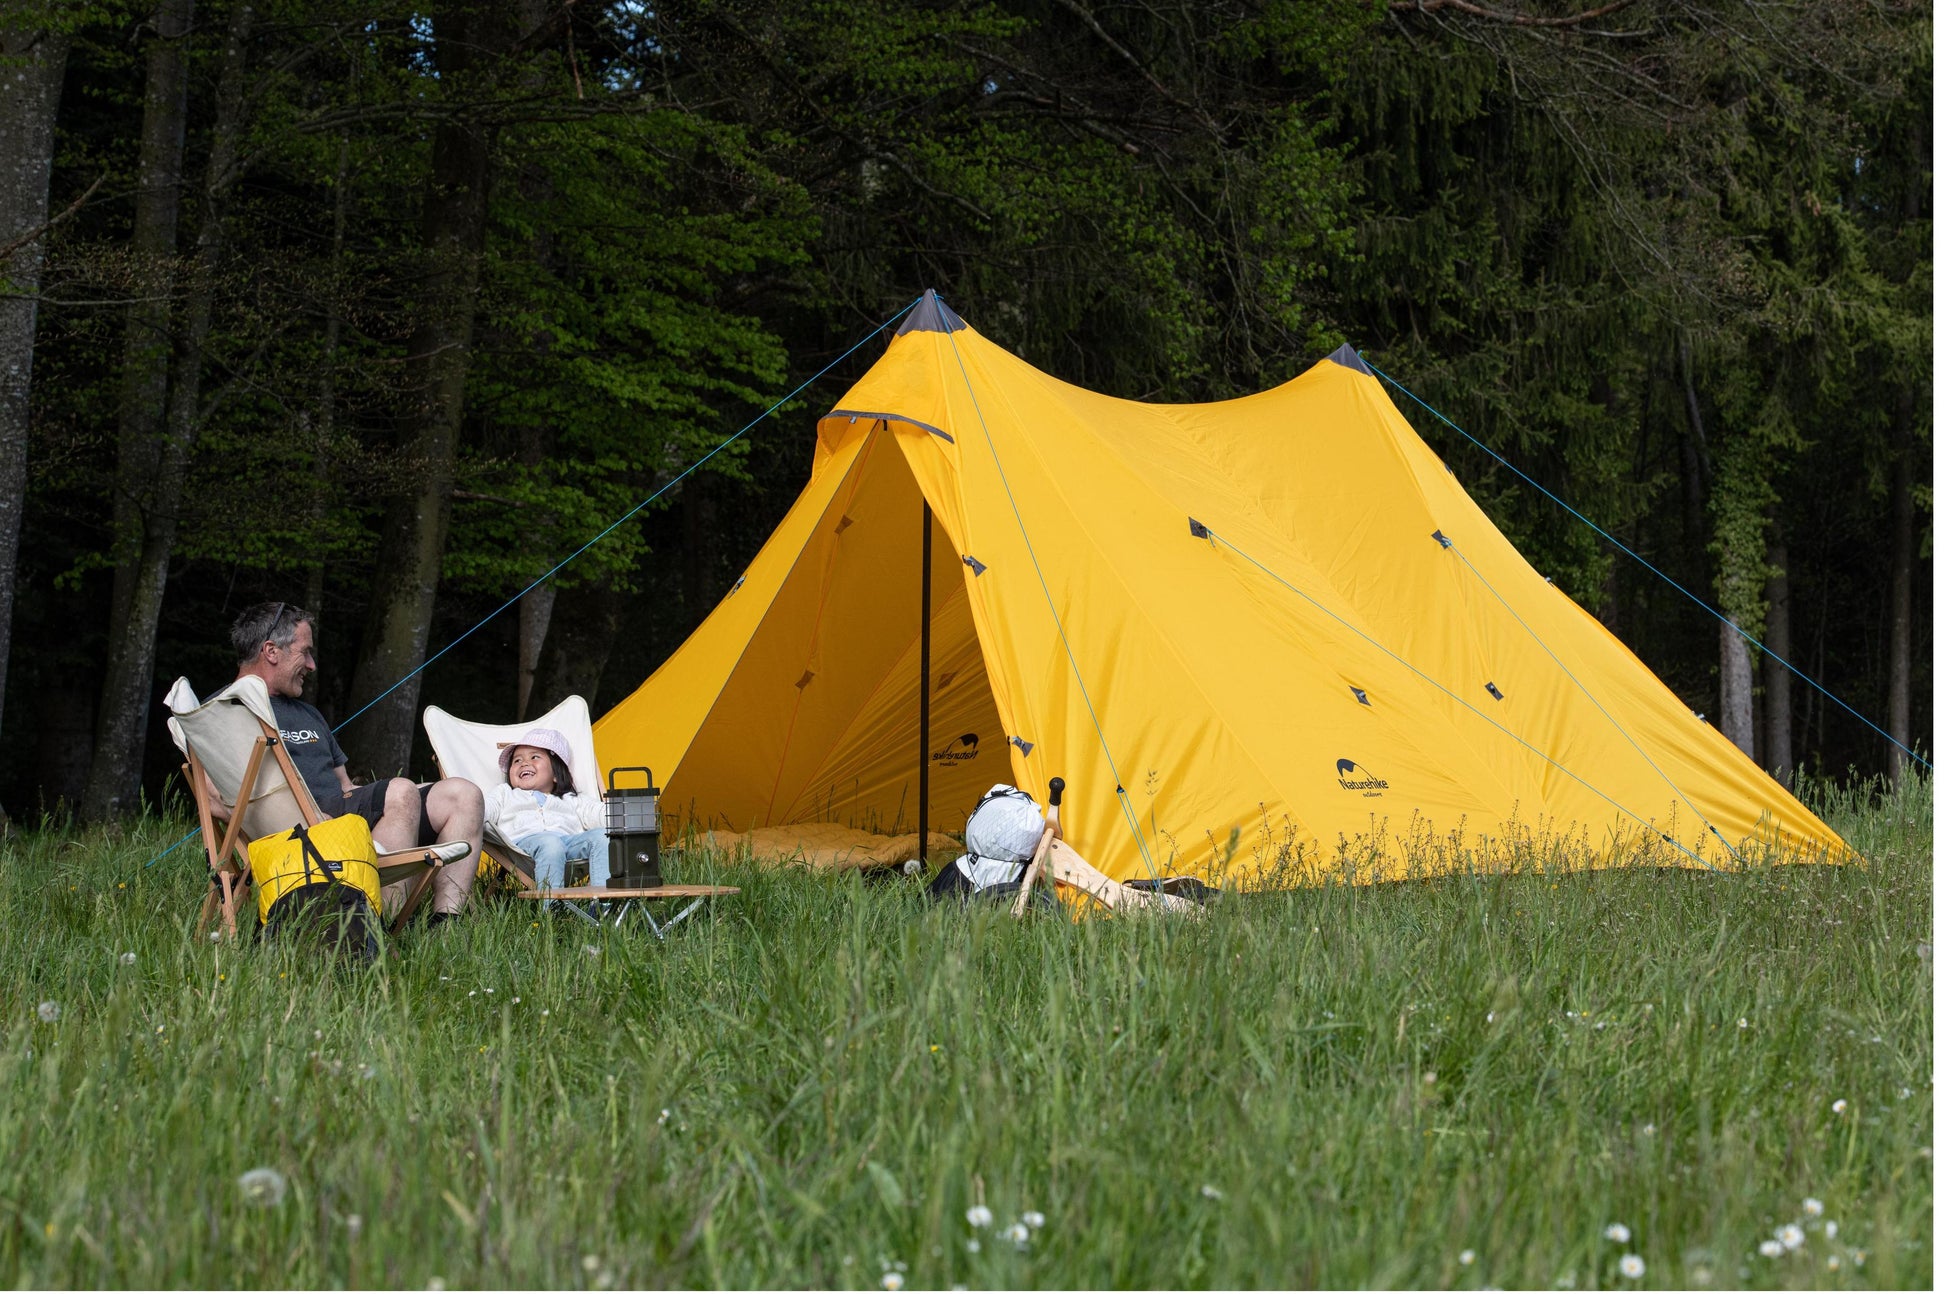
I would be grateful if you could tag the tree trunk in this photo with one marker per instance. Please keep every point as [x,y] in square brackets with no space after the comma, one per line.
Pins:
[1778,756]
[128,685]
[536,611]
[698,548]
[580,636]
[152,249]
[325,416]
[413,542]
[1737,721]
[1899,647]
[30,95]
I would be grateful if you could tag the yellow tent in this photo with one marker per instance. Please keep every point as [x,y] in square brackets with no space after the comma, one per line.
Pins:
[1256,637]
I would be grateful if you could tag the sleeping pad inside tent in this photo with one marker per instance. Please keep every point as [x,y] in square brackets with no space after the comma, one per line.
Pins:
[1264,641]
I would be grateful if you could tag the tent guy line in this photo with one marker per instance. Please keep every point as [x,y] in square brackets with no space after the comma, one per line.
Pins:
[1906,750]
[605,532]
[1201,530]
[1121,794]
[1596,701]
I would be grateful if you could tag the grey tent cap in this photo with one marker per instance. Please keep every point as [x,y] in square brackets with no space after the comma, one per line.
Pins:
[1349,358]
[931,315]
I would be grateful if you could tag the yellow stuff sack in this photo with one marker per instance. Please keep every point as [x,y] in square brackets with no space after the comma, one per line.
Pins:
[337,852]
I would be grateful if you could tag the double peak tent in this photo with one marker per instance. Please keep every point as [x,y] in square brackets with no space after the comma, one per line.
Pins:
[1255,637]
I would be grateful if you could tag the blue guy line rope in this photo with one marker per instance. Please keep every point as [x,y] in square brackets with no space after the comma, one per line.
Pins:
[1573,678]
[1215,537]
[1907,750]
[1121,795]
[606,531]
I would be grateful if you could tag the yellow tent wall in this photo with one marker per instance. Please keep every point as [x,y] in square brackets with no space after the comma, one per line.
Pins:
[1313,673]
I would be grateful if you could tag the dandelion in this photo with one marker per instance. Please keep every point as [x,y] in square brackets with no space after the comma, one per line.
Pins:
[1018,1234]
[1831,1231]
[263,1188]
[1790,1235]
[1466,1257]
[1632,1266]
[128,959]
[1771,1249]
[1618,1232]
[1034,1219]
[1813,1207]
[1211,1193]
[979,1216]
[1840,1105]
[891,1281]
[49,1012]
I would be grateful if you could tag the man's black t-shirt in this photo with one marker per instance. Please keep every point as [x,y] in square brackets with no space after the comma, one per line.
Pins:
[313,750]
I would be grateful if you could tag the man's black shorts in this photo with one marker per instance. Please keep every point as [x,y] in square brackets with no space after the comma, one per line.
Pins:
[368,802]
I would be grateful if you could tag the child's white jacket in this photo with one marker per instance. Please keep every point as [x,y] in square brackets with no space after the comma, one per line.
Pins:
[517,814]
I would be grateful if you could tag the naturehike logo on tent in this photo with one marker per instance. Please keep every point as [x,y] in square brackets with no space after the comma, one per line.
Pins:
[958,752]
[1354,778]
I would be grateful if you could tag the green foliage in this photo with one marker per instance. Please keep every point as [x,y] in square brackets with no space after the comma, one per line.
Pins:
[1339,1086]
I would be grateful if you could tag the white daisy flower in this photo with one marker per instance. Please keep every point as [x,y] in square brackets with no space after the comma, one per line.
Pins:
[1618,1232]
[1018,1234]
[891,1281]
[1831,1231]
[49,1012]
[1466,1257]
[979,1216]
[1035,1220]
[1632,1266]
[1771,1249]
[1813,1207]
[1840,1105]
[1211,1193]
[1791,1235]
[128,959]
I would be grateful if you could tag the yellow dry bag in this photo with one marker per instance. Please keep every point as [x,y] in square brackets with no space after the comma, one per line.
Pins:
[336,852]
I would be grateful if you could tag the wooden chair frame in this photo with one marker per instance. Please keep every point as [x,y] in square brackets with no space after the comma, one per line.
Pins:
[229,857]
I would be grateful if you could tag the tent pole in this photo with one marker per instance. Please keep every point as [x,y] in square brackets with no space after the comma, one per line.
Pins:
[925,671]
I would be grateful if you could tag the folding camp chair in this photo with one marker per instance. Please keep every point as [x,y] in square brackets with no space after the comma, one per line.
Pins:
[472,751]
[225,740]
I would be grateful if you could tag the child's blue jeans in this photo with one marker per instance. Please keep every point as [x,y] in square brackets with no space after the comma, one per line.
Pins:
[551,851]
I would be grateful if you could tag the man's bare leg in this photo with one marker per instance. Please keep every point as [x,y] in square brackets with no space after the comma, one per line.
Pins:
[456,810]
[398,827]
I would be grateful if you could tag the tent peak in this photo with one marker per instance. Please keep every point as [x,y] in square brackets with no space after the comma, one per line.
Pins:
[1350,358]
[931,315]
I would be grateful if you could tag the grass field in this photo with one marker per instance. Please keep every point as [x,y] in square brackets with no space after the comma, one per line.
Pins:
[1453,1083]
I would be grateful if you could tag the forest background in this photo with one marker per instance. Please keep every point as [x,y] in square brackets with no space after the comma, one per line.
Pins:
[383,309]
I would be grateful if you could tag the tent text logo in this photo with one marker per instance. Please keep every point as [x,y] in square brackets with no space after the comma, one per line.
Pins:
[1354,778]
[957,752]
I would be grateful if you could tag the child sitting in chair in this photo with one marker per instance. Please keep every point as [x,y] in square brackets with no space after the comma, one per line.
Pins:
[538,810]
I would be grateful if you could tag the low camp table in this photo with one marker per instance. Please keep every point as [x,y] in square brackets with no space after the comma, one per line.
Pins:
[624,901]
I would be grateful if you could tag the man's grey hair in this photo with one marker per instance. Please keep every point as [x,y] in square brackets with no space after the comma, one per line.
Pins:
[267,622]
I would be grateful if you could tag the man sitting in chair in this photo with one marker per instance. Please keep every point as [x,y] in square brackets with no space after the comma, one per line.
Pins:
[275,641]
